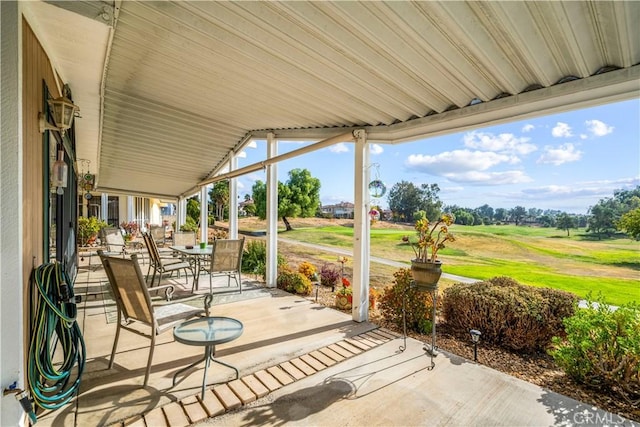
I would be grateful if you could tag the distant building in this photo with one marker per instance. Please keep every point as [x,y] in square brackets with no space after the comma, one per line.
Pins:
[242,205]
[341,210]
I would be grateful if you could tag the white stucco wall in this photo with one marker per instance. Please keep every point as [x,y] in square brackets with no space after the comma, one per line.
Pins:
[11,295]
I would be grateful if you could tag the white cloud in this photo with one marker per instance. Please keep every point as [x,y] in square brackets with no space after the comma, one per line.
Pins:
[252,144]
[340,147]
[376,149]
[564,153]
[504,142]
[598,128]
[466,166]
[593,190]
[242,155]
[456,161]
[561,130]
[584,136]
[489,178]
[528,128]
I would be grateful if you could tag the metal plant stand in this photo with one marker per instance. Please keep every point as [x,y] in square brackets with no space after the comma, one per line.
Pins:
[431,349]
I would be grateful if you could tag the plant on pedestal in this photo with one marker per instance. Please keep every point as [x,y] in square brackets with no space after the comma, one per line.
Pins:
[425,267]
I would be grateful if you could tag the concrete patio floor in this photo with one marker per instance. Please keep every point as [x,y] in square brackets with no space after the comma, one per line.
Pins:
[350,374]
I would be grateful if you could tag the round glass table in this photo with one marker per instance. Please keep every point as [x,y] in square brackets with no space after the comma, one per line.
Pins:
[207,332]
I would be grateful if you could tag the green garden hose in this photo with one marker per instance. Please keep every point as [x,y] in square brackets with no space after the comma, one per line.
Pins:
[53,378]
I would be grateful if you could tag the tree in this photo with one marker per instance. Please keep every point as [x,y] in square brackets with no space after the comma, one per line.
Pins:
[299,197]
[430,202]
[193,209]
[404,199]
[630,223]
[518,213]
[547,220]
[463,217]
[501,214]
[565,222]
[219,195]
[602,218]
[486,212]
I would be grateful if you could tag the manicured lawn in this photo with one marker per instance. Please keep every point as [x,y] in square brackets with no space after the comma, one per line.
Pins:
[543,257]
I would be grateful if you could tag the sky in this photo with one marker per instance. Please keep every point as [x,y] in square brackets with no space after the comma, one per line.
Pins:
[567,162]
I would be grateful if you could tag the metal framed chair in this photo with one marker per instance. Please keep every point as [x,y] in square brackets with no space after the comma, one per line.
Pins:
[158,264]
[158,234]
[226,259]
[184,238]
[135,305]
[114,243]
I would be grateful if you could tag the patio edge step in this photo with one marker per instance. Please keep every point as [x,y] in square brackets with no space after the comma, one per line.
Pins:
[234,394]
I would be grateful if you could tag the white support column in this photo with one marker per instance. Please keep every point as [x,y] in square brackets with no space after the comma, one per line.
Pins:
[272,213]
[181,213]
[129,208]
[204,218]
[104,206]
[361,227]
[233,199]
[12,281]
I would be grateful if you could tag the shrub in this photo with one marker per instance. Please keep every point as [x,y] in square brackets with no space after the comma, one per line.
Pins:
[508,314]
[88,228]
[602,348]
[329,275]
[307,269]
[294,282]
[218,233]
[418,305]
[254,258]
[189,225]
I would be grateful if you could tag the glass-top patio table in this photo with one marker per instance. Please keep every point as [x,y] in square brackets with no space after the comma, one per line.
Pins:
[207,332]
[196,253]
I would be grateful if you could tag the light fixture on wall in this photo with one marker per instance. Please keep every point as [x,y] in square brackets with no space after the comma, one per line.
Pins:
[59,173]
[63,111]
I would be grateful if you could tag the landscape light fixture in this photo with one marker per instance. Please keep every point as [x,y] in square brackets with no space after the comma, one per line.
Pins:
[63,111]
[475,337]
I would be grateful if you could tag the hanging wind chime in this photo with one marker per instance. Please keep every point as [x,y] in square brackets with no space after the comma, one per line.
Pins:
[377,189]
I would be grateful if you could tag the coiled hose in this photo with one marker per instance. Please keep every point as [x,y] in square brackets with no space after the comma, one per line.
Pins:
[52,378]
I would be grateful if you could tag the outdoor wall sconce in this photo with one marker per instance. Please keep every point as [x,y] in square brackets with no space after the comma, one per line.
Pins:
[475,337]
[59,173]
[63,111]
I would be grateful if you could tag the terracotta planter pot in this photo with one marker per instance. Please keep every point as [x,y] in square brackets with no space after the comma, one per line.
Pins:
[344,302]
[426,274]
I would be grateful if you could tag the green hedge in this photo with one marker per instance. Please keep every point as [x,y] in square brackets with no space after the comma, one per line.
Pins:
[508,314]
[602,348]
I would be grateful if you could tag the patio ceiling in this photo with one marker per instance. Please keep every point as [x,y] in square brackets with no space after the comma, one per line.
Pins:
[185,83]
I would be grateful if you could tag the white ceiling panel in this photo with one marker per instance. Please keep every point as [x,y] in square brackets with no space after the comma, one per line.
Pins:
[188,82]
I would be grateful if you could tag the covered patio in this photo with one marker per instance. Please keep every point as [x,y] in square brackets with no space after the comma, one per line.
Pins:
[312,366]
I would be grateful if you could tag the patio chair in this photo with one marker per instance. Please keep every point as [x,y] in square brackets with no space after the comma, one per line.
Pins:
[226,259]
[135,305]
[158,234]
[114,243]
[158,264]
[184,238]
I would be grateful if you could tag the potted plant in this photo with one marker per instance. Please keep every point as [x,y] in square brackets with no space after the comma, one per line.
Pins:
[344,295]
[88,229]
[329,275]
[373,297]
[426,267]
